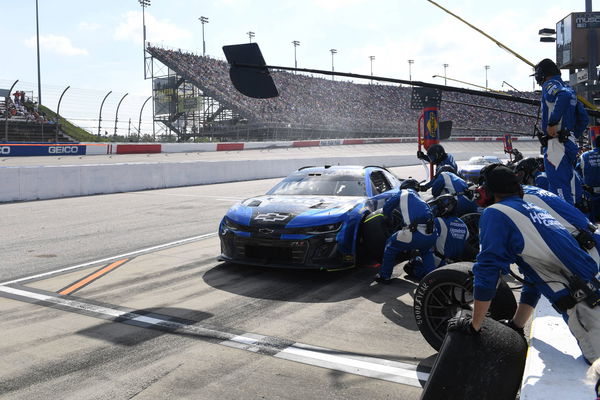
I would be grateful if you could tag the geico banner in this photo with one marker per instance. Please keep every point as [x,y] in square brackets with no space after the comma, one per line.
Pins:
[11,150]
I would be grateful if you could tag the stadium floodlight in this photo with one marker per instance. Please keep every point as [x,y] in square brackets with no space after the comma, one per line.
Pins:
[296,44]
[547,32]
[332,51]
[548,39]
[410,63]
[250,35]
[203,20]
[144,4]
[445,76]
[371,58]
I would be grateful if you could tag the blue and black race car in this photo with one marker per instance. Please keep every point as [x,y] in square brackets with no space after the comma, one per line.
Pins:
[311,219]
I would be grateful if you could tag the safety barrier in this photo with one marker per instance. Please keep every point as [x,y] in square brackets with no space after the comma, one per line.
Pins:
[22,183]
[78,149]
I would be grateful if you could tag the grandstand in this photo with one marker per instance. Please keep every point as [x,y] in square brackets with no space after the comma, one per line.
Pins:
[22,121]
[196,99]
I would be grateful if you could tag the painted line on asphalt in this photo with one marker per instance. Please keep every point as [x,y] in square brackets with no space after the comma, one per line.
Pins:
[83,282]
[108,259]
[370,367]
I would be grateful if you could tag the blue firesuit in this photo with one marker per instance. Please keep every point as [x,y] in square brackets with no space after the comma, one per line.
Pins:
[449,183]
[590,171]
[559,103]
[568,215]
[541,180]
[450,244]
[417,232]
[449,160]
[515,231]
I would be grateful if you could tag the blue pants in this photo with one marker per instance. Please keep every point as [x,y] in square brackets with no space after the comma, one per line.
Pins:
[404,241]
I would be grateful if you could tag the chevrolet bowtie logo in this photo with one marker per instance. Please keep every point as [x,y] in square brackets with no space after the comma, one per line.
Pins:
[271,217]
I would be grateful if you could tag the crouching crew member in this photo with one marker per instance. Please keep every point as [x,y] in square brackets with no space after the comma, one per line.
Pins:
[417,231]
[446,181]
[452,232]
[552,262]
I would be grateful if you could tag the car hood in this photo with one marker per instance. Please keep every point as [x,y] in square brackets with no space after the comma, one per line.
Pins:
[293,211]
[472,168]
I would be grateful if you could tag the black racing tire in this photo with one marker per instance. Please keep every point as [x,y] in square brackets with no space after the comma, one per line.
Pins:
[472,244]
[487,366]
[447,290]
[374,232]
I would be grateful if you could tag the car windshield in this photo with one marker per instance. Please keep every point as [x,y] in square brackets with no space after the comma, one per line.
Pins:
[321,185]
[483,161]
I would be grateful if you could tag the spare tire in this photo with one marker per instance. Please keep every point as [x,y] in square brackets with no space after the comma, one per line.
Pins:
[487,366]
[447,290]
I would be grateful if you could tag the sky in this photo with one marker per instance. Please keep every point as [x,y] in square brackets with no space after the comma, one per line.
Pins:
[96,47]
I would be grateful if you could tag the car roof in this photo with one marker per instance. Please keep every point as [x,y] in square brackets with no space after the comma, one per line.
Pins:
[336,169]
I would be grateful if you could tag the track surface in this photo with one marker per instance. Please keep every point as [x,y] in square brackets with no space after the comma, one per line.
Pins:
[172,322]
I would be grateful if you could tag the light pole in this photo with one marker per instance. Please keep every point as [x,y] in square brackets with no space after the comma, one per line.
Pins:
[371,58]
[445,66]
[410,63]
[203,20]
[251,35]
[487,67]
[37,32]
[333,51]
[296,44]
[144,4]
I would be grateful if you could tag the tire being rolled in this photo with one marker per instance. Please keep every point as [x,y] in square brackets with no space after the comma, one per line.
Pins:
[447,290]
[487,366]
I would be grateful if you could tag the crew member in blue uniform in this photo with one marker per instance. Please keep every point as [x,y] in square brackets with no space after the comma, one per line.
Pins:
[451,244]
[590,171]
[446,181]
[417,232]
[562,124]
[550,259]
[436,154]
[573,219]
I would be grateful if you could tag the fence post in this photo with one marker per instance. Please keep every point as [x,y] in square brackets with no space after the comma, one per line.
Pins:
[100,115]
[6,114]
[58,114]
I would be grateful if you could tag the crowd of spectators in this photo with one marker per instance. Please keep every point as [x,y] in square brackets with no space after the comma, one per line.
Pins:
[21,108]
[314,101]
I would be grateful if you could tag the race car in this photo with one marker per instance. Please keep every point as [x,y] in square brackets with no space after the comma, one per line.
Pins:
[470,171]
[311,219]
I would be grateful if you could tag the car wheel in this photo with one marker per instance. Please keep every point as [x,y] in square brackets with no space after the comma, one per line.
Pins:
[447,290]
[374,233]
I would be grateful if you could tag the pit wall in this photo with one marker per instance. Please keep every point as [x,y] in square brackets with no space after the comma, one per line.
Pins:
[79,149]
